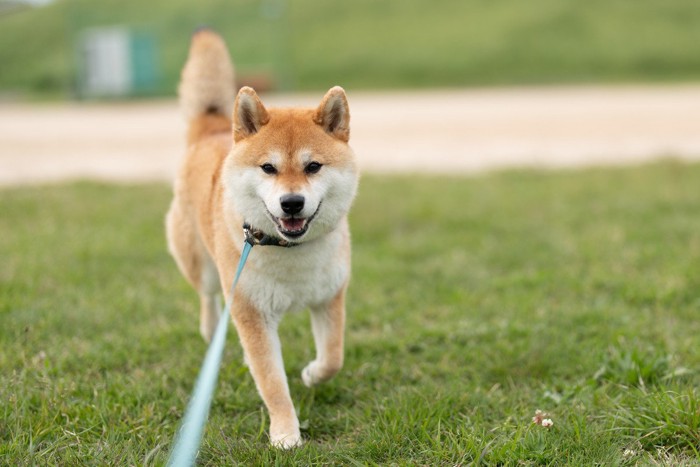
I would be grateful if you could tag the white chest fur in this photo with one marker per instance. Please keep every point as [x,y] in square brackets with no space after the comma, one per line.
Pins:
[278,280]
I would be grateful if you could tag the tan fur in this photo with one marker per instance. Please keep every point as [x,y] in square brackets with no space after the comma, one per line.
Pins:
[207,83]
[204,226]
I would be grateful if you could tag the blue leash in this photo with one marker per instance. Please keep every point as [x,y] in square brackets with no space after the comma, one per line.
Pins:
[189,435]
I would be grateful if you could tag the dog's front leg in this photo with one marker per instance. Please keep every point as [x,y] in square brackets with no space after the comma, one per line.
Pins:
[263,352]
[328,324]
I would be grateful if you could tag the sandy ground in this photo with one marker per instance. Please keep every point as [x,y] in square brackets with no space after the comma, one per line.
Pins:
[435,131]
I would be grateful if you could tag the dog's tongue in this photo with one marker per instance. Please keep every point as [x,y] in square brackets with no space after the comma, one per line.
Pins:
[293,225]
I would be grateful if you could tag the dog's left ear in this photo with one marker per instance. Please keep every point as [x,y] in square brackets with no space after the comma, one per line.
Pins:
[333,114]
[249,114]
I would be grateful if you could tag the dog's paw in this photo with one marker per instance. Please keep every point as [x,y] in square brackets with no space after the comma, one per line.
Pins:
[308,377]
[286,441]
[284,431]
[315,373]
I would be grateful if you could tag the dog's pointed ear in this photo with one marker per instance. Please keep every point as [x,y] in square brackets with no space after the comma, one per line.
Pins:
[333,114]
[249,114]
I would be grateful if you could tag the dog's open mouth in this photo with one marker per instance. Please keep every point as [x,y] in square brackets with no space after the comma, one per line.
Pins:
[292,227]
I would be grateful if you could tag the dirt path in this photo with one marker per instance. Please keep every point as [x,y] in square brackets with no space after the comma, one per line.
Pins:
[436,131]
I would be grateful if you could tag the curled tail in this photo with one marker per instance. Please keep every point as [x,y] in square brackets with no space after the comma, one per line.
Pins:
[207,88]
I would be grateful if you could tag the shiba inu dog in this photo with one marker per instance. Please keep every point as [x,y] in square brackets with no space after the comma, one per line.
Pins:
[288,173]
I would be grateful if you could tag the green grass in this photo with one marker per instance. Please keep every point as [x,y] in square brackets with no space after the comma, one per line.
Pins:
[367,44]
[474,302]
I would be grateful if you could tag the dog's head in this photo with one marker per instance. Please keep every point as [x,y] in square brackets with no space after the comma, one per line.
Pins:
[291,172]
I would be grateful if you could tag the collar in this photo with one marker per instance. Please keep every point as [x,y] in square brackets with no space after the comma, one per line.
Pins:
[258,237]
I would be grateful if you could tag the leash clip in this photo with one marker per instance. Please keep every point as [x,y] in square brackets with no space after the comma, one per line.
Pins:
[249,237]
[258,237]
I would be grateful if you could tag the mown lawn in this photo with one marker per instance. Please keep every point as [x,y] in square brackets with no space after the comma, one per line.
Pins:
[474,302]
[369,44]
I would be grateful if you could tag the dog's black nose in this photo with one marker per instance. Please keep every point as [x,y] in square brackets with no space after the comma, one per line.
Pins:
[292,204]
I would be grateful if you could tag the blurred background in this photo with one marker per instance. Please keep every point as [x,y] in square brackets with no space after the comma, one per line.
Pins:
[476,84]
[81,48]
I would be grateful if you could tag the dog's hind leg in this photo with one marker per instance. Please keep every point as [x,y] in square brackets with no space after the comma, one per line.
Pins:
[182,243]
[210,298]
[328,325]
[195,264]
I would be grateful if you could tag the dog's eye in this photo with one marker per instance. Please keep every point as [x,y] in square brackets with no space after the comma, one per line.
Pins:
[269,169]
[312,167]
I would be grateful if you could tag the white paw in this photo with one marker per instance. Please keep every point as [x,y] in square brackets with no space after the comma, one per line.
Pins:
[308,375]
[286,440]
[316,373]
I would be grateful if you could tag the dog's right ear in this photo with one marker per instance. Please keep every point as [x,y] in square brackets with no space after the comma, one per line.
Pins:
[249,114]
